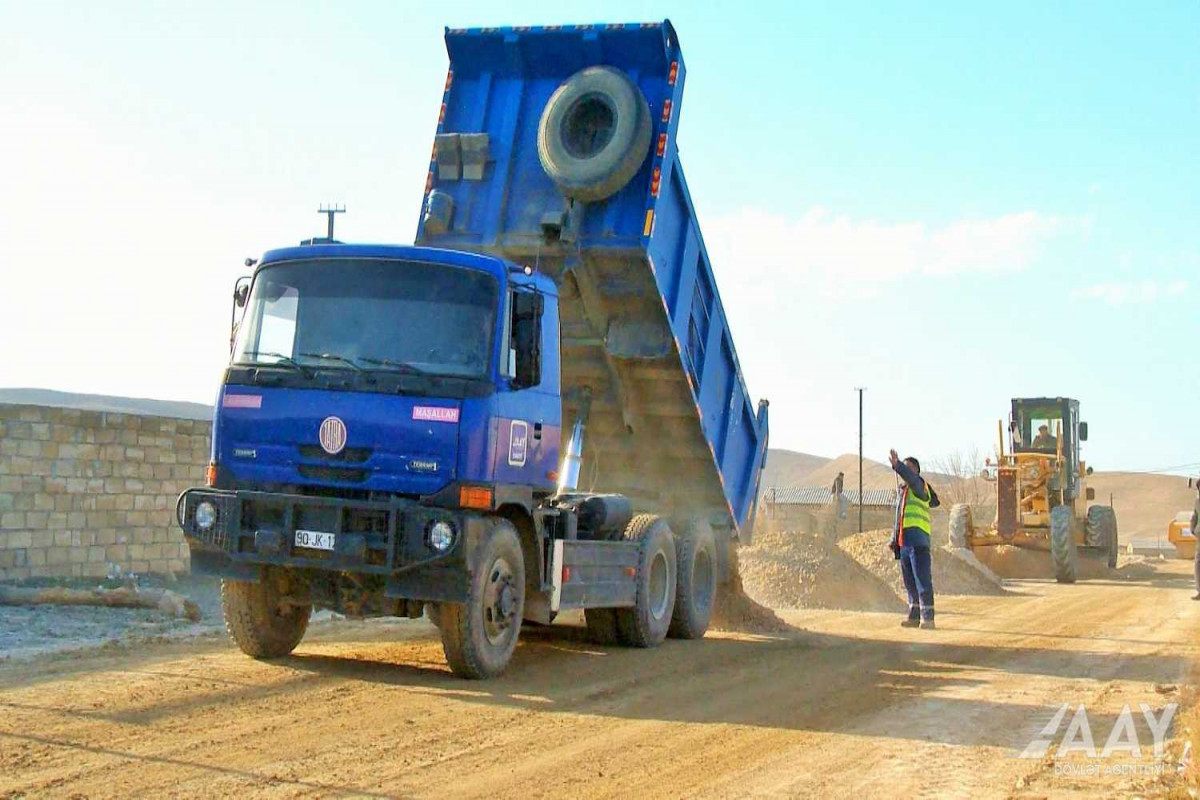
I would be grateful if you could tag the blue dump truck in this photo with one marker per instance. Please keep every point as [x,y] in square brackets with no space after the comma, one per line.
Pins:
[538,407]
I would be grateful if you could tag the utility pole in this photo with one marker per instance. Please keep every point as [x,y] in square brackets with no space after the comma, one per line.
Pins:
[860,390]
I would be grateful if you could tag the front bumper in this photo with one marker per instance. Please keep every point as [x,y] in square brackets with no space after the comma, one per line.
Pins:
[386,539]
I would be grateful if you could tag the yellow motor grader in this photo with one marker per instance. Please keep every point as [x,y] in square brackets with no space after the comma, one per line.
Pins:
[1041,491]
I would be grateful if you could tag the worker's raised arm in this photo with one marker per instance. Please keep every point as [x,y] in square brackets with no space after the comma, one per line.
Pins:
[914,481]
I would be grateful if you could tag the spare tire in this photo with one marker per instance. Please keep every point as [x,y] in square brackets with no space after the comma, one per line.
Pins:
[594,133]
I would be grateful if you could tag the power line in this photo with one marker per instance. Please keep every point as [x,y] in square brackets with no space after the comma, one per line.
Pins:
[1159,471]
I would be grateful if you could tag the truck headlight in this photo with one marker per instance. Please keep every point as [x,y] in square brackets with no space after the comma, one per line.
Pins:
[440,536]
[206,515]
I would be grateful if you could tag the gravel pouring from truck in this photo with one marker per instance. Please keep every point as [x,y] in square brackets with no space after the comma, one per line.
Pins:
[389,435]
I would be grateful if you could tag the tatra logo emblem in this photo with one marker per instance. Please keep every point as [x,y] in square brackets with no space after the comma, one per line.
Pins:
[332,435]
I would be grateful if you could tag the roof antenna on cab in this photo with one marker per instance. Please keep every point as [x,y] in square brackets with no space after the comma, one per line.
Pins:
[330,211]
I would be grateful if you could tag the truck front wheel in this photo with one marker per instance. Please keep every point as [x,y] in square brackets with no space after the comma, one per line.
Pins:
[258,617]
[646,624]
[479,636]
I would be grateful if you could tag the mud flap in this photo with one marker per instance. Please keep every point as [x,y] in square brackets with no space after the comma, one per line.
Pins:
[595,574]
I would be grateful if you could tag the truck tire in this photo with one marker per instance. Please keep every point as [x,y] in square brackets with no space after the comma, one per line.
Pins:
[602,625]
[1102,531]
[434,612]
[647,623]
[1062,544]
[256,619]
[479,636]
[696,586]
[594,133]
[961,525]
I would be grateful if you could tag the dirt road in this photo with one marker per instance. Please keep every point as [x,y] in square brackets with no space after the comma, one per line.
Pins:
[851,706]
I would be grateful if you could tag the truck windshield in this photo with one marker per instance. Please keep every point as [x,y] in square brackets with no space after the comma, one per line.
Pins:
[370,314]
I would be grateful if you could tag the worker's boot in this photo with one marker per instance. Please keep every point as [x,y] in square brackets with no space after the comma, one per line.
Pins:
[927,622]
[913,620]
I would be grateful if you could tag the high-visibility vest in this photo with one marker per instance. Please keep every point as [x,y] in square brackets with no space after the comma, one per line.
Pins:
[915,512]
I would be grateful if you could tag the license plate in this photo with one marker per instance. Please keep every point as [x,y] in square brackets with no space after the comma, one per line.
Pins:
[314,540]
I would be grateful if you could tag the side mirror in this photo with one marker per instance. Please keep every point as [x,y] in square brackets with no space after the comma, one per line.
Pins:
[1083,431]
[241,290]
[1090,470]
[527,338]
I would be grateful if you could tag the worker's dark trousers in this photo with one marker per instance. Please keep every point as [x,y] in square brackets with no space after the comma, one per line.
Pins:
[918,581]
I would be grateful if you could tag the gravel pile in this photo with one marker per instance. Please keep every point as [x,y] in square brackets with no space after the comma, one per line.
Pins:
[737,611]
[789,569]
[951,574]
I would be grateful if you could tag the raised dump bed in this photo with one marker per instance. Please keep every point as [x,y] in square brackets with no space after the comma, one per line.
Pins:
[556,149]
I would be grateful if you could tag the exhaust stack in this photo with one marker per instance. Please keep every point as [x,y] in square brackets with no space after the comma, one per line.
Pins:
[568,476]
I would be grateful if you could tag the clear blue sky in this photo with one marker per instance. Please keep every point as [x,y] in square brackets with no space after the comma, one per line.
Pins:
[948,203]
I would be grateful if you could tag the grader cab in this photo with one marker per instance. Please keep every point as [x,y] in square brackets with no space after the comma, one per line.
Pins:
[1041,491]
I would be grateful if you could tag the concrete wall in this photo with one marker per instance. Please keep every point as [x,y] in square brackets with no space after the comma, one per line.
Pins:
[86,492]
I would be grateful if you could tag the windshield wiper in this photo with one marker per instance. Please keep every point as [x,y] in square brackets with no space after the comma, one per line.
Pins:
[286,361]
[333,357]
[398,366]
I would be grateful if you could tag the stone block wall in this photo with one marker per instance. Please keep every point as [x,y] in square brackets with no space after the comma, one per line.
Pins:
[85,493]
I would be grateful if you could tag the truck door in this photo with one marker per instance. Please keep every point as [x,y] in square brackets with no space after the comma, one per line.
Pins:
[529,411]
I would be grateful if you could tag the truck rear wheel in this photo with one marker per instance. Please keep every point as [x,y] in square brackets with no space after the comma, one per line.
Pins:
[696,587]
[479,636]
[1062,544]
[961,524]
[594,133]
[1102,531]
[262,625]
[646,624]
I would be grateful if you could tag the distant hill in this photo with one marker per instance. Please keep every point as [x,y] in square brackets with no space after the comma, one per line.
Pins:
[789,468]
[875,474]
[1144,503]
[102,402]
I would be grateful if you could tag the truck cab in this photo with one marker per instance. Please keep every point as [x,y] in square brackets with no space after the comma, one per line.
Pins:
[419,370]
